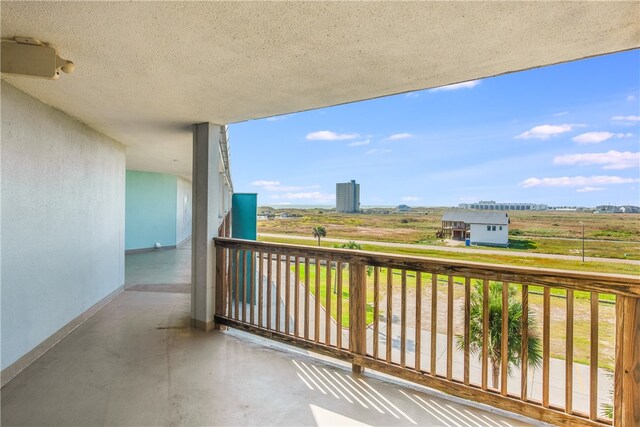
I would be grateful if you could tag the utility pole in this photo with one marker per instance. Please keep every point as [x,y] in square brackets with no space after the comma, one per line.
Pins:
[582,223]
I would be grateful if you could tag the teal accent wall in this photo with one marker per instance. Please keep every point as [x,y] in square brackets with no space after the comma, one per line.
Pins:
[150,209]
[244,216]
[244,225]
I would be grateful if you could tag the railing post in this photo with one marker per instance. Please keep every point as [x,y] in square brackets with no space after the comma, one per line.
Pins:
[357,312]
[626,399]
[220,285]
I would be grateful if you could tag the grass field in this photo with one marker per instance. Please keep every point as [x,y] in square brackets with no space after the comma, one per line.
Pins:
[550,232]
[581,325]
[601,266]
[607,235]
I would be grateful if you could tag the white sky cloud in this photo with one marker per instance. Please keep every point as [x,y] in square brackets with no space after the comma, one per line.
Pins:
[410,198]
[277,186]
[546,131]
[576,181]
[377,151]
[307,196]
[609,160]
[598,137]
[590,189]
[359,143]
[327,135]
[263,183]
[631,98]
[411,95]
[626,119]
[562,113]
[463,85]
[397,136]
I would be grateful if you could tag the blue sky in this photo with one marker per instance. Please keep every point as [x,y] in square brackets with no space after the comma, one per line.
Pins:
[561,135]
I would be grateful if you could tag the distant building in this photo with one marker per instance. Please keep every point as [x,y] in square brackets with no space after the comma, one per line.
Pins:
[403,208]
[490,205]
[348,197]
[481,228]
[617,209]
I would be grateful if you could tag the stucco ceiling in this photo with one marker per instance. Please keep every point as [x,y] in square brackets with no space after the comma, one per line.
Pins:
[147,70]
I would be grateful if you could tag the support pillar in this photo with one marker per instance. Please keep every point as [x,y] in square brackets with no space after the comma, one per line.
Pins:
[207,209]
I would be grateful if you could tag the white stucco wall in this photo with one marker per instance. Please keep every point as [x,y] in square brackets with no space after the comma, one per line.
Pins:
[183,210]
[479,234]
[62,223]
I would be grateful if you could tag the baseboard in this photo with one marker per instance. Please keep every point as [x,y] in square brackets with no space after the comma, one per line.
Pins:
[185,241]
[202,325]
[19,365]
[137,251]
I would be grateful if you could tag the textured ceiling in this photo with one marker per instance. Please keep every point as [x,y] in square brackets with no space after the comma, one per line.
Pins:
[147,70]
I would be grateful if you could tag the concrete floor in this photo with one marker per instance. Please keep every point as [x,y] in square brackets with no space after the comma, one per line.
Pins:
[137,362]
[166,270]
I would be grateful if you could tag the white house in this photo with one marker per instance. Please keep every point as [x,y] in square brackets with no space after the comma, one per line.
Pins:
[482,228]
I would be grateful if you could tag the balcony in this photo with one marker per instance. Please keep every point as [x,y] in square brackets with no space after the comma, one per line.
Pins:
[138,362]
[572,338]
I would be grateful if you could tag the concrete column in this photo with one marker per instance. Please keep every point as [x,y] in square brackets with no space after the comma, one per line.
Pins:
[206,210]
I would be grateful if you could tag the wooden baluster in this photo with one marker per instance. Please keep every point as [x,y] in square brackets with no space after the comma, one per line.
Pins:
[269,299]
[287,295]
[593,359]
[236,296]
[243,285]
[252,295]
[316,331]
[296,298]
[278,326]
[450,328]
[306,298]
[418,338]
[229,281]
[504,339]
[626,395]
[389,313]
[485,333]
[219,283]
[403,320]
[228,273]
[434,322]
[568,399]
[357,312]
[327,307]
[546,341]
[524,360]
[339,306]
[376,310]
[260,289]
[467,327]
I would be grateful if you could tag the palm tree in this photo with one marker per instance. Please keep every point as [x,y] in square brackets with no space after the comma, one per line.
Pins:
[318,232]
[514,343]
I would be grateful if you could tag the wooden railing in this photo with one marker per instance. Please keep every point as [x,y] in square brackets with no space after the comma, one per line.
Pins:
[224,230]
[444,323]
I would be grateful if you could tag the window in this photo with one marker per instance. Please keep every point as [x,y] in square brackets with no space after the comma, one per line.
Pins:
[493,228]
[500,228]
[488,228]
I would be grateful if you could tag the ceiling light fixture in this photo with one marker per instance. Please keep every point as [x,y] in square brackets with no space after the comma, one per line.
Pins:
[29,57]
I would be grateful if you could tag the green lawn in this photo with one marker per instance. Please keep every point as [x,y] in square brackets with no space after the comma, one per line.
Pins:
[582,318]
[559,264]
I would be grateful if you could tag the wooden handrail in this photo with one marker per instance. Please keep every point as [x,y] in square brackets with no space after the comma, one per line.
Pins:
[618,284]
